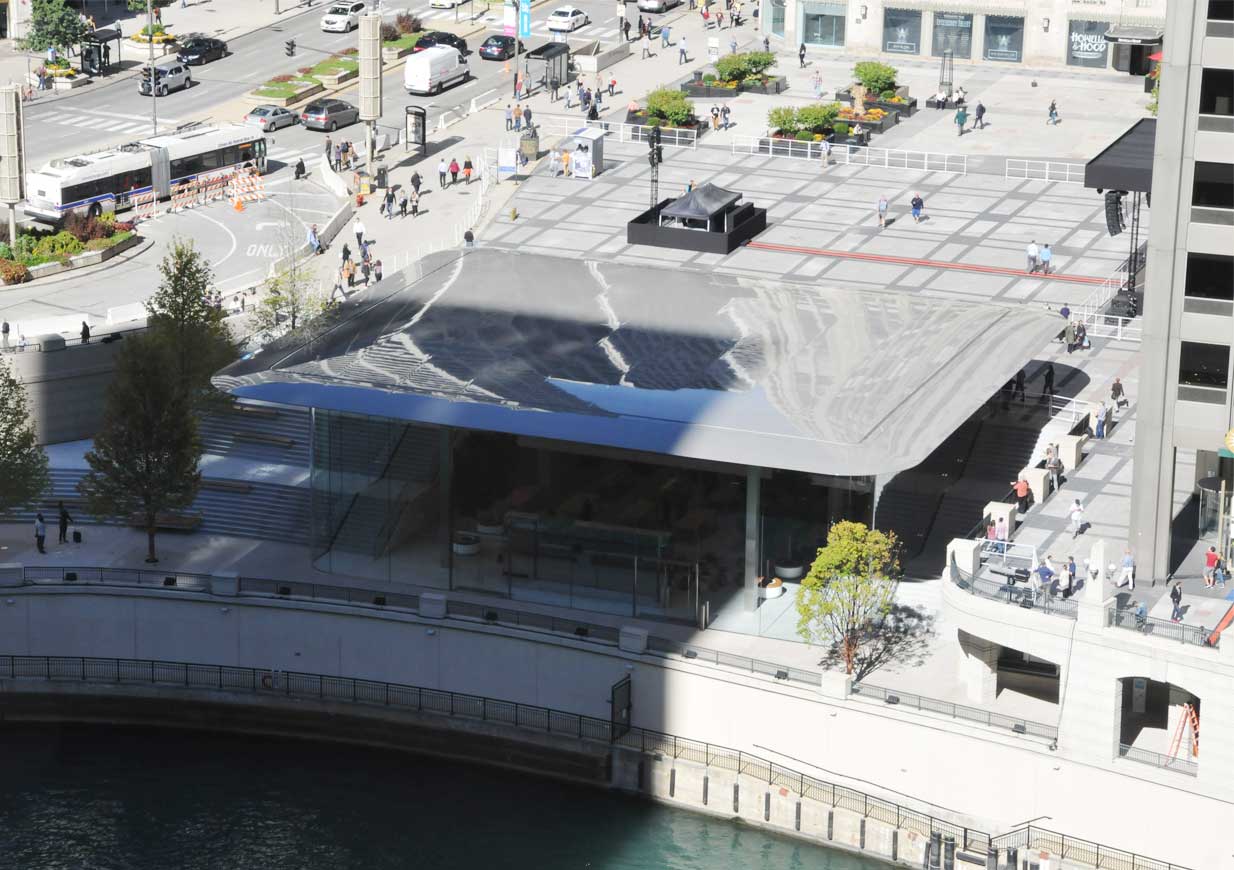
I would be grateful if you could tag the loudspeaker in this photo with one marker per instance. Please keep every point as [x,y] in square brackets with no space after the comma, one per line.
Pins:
[1114,212]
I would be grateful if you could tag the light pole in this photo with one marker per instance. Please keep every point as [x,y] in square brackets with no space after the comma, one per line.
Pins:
[154,96]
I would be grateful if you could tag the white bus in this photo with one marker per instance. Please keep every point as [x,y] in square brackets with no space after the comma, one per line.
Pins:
[106,180]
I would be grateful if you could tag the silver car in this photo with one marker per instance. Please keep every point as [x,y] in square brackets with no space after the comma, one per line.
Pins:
[270,118]
[657,5]
[329,115]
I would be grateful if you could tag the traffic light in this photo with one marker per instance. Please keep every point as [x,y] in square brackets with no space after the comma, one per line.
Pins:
[290,50]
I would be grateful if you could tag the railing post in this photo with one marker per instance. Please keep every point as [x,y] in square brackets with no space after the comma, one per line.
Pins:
[83,669]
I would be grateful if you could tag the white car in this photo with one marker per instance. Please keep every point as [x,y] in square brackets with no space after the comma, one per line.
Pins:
[446,4]
[567,18]
[342,17]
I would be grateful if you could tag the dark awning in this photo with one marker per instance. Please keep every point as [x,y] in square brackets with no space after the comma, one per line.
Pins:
[1124,35]
[548,51]
[701,203]
[1127,162]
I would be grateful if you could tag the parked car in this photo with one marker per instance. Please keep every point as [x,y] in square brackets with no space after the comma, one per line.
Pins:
[201,49]
[433,70]
[657,5]
[446,4]
[172,77]
[500,48]
[329,115]
[567,18]
[440,37]
[270,118]
[342,17]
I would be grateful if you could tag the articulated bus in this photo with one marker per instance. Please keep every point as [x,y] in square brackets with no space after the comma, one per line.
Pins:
[107,180]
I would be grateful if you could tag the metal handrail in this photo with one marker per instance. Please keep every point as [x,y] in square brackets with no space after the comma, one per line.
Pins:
[1045,170]
[1009,593]
[955,711]
[375,693]
[889,158]
[1125,618]
[15,345]
[1078,850]
[1157,759]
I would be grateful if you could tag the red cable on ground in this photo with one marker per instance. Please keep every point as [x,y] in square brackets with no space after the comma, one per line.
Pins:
[931,264]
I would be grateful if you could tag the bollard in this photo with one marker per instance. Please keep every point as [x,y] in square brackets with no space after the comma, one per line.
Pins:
[767,806]
[672,782]
[798,823]
[936,851]
[991,859]
[736,792]
[705,778]
[861,842]
[830,824]
[895,844]
[948,852]
[1013,858]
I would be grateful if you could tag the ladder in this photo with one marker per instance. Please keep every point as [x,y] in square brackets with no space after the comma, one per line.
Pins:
[1190,724]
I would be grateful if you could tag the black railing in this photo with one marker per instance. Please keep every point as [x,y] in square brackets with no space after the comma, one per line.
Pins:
[1156,759]
[1124,617]
[742,663]
[1020,594]
[956,711]
[375,693]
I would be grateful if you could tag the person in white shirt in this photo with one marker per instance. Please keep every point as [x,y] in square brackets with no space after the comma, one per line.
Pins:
[357,227]
[1128,575]
[1077,518]
[1000,534]
[1034,256]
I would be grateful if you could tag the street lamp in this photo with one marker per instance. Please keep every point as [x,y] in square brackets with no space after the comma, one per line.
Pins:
[154,97]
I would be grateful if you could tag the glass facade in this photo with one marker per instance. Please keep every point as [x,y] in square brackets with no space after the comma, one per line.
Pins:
[777,17]
[823,24]
[1004,38]
[1086,45]
[953,32]
[902,31]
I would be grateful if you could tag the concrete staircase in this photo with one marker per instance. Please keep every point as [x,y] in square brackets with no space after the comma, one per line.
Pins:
[262,434]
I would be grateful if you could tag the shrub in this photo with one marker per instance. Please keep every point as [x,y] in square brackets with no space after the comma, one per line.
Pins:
[62,244]
[86,228]
[408,23]
[279,79]
[731,67]
[123,226]
[140,5]
[817,116]
[841,129]
[876,77]
[24,248]
[156,30]
[671,105]
[804,137]
[758,62]
[13,273]
[389,32]
[709,78]
[784,119]
[6,253]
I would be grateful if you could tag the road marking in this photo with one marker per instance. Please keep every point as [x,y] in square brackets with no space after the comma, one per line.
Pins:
[261,225]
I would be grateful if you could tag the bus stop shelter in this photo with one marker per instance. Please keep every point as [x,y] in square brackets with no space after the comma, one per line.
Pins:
[96,52]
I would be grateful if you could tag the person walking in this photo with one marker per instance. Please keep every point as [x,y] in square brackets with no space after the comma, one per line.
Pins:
[40,532]
[443,169]
[1099,429]
[65,519]
[961,118]
[918,204]
[1047,386]
[1023,492]
[1076,515]
[402,203]
[518,117]
[1034,257]
[509,118]
[979,116]
[365,269]
[682,57]
[389,203]
[377,271]
[1176,601]
[625,29]
[469,239]
[801,55]
[345,254]
[1128,576]
[646,46]
[766,39]
[882,211]
[1019,386]
[357,227]
[1211,558]
[1118,395]
[4,335]
[330,152]
[612,87]
[85,332]
[1044,256]
[527,116]
[715,117]
[642,26]
[314,242]
[1054,467]
[349,273]
[665,34]
[732,45]
[725,113]
[1070,336]
[414,201]
[467,169]
[416,181]
[1052,120]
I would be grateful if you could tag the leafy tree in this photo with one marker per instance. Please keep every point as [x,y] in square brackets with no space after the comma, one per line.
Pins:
[182,317]
[54,24]
[850,587]
[23,464]
[784,119]
[670,105]
[146,451]
[877,77]
[291,302]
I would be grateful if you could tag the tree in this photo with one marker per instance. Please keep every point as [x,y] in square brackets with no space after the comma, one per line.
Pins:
[146,451]
[23,464]
[181,317]
[850,587]
[291,302]
[54,24]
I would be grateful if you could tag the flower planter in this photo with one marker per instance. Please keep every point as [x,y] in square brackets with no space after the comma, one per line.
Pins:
[640,119]
[85,258]
[703,91]
[60,83]
[906,110]
[465,544]
[773,588]
[157,39]
[331,80]
[390,55]
[309,89]
[789,570]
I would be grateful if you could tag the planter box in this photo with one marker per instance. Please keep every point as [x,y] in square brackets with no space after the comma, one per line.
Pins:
[390,55]
[906,110]
[703,91]
[882,126]
[61,84]
[306,91]
[641,120]
[334,79]
[158,39]
[602,59]
[85,258]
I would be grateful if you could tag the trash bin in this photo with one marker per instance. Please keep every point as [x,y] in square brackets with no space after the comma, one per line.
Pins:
[383,176]
[529,144]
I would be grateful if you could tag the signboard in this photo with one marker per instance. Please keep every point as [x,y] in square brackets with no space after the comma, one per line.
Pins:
[1139,694]
[524,19]
[902,31]
[713,48]
[1086,45]
[1004,38]
[953,31]
[510,18]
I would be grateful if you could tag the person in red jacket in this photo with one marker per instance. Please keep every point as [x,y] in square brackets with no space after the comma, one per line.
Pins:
[453,170]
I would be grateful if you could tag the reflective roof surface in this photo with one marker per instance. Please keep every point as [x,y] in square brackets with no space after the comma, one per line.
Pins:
[702,365]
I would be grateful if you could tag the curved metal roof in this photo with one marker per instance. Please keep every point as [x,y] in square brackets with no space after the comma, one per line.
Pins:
[702,365]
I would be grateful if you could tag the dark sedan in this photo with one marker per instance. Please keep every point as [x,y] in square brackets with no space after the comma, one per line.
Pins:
[500,48]
[440,37]
[201,49]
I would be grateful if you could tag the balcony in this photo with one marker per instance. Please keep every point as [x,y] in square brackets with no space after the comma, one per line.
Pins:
[1125,618]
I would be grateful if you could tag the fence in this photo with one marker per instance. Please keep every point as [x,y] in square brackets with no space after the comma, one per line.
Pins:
[1044,170]
[1195,635]
[1092,311]
[374,693]
[955,711]
[886,158]
[728,660]
[1022,594]
[670,137]
[1156,759]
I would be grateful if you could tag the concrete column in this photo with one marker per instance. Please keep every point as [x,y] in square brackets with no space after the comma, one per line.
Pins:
[978,668]
[1071,451]
[967,555]
[1006,511]
[1039,480]
[753,509]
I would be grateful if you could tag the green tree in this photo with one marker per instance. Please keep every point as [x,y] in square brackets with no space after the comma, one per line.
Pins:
[670,105]
[146,451]
[54,24]
[182,318]
[23,464]
[877,77]
[783,119]
[850,587]
[291,302]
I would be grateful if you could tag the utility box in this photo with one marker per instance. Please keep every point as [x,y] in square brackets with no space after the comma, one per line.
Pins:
[529,144]
[383,177]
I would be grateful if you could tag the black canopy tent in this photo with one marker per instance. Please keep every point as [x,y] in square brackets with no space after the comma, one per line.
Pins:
[1125,167]
[704,207]
[1132,47]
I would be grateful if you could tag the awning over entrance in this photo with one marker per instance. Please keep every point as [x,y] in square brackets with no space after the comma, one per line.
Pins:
[1127,162]
[1125,35]
[693,364]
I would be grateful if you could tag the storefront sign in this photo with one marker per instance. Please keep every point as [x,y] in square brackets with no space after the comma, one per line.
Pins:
[902,31]
[1004,38]
[1086,45]
[953,32]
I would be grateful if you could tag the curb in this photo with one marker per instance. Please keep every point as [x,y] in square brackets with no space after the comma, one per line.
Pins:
[140,246]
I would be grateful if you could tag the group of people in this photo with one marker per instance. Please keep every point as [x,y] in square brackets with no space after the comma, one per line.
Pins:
[447,173]
[720,116]
[340,156]
[916,209]
[364,266]
[1053,580]
[40,528]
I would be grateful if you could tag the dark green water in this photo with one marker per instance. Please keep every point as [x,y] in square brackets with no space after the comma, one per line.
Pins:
[106,799]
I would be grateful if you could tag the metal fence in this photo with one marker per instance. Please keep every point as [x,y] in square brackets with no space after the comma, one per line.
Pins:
[1045,170]
[1156,759]
[1077,850]
[1195,635]
[670,137]
[1020,594]
[1092,311]
[742,663]
[955,711]
[887,158]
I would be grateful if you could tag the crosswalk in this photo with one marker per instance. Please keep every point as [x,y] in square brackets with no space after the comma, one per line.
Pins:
[428,14]
[104,122]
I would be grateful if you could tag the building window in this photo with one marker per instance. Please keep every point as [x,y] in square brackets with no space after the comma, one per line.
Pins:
[953,32]
[1210,276]
[1213,186]
[823,24]
[1086,45]
[777,17]
[1217,92]
[1204,365]
[1221,10]
[1004,38]
[902,31]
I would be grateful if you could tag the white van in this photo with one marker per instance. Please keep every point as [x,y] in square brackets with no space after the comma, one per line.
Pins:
[434,69]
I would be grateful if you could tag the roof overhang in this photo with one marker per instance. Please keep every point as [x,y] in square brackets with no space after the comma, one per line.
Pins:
[691,364]
[1125,35]
[1127,162]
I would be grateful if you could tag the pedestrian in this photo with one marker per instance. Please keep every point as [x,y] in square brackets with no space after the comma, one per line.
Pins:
[357,227]
[365,269]
[1219,573]
[389,203]
[345,254]
[65,519]
[991,540]
[1118,395]
[402,203]
[469,239]
[1046,256]
[1176,600]
[415,203]
[377,271]
[882,211]
[1069,570]
[918,204]
[766,39]
[682,57]
[961,118]
[300,171]
[646,46]
[467,169]
[1054,467]
[1076,515]
[801,54]
[641,25]
[1070,335]
[1033,254]
[732,45]
[85,332]
[443,169]
[612,87]
[416,181]
[1000,534]
[553,87]
[1019,385]
[979,112]
[40,532]
[1128,575]
[625,29]
[1052,120]
[338,158]
[598,97]
[1065,311]
[509,118]
[329,152]
[569,98]
[4,335]
[1081,336]
[527,116]
[1099,430]
[1023,492]
[1211,558]
[518,117]
[314,242]
[665,33]
[719,20]
[715,117]
[565,164]
[725,113]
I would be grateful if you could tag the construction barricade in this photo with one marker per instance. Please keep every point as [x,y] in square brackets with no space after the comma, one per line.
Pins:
[246,187]
[212,188]
[145,205]
[184,196]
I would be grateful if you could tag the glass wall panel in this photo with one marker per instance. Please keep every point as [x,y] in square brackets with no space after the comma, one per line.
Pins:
[1086,45]
[953,31]
[1004,38]
[823,24]
[902,31]
[777,17]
